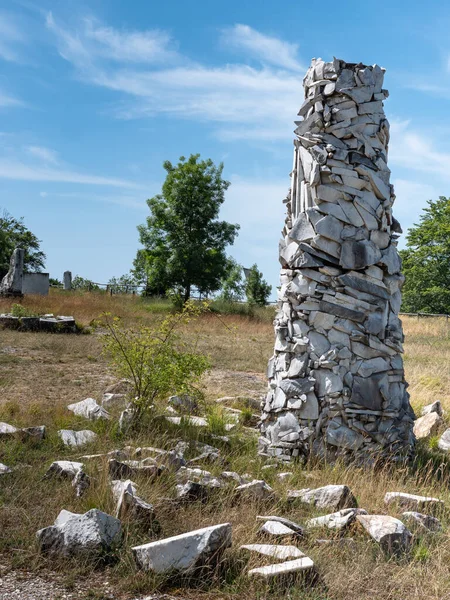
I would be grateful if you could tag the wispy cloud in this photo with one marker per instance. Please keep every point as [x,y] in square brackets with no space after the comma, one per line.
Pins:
[7,101]
[10,38]
[44,154]
[242,100]
[20,171]
[127,201]
[269,50]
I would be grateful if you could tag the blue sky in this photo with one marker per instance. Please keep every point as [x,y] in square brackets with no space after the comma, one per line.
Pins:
[94,96]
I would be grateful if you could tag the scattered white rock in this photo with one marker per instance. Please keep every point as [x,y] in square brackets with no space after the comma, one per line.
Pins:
[390,533]
[89,409]
[183,553]
[294,526]
[77,438]
[257,489]
[284,475]
[274,551]
[338,520]
[412,501]
[277,529]
[81,482]
[128,468]
[423,521]
[329,496]
[428,425]
[193,421]
[128,502]
[91,533]
[183,403]
[8,431]
[435,407]
[64,468]
[285,568]
[444,441]
[4,469]
[114,401]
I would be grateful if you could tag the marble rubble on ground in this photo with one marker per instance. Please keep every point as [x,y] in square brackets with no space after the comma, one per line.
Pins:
[186,552]
[329,496]
[274,551]
[336,379]
[422,521]
[434,407]
[183,403]
[129,468]
[413,501]
[128,502]
[77,438]
[444,441]
[277,529]
[81,482]
[257,489]
[427,425]
[90,534]
[89,409]
[8,431]
[48,323]
[113,401]
[64,468]
[338,520]
[287,522]
[392,535]
[4,470]
[12,282]
[289,567]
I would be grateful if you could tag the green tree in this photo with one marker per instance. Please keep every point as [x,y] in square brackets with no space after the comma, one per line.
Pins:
[123,285]
[80,283]
[183,240]
[426,261]
[14,234]
[232,288]
[257,289]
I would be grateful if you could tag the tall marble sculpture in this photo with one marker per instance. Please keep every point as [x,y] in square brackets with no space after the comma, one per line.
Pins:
[336,379]
[11,284]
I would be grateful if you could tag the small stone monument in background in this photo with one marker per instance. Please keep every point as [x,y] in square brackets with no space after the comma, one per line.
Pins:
[67,280]
[11,284]
[336,379]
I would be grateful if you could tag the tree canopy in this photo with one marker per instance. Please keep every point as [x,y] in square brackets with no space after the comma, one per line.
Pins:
[426,261]
[257,289]
[183,240]
[14,234]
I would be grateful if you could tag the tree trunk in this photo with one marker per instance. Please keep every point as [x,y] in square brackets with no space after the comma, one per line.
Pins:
[187,293]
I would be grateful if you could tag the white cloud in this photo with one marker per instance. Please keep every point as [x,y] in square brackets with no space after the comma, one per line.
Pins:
[269,50]
[128,201]
[7,101]
[19,171]
[10,37]
[258,100]
[45,154]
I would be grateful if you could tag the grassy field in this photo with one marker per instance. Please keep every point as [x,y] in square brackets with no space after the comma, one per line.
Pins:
[41,373]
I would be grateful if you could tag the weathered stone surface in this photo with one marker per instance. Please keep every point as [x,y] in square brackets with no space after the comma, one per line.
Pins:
[282,569]
[330,496]
[89,534]
[128,502]
[129,468]
[338,520]
[81,482]
[4,469]
[444,441]
[390,533]
[77,438]
[11,284]
[337,324]
[277,529]
[412,501]
[256,489]
[114,401]
[64,468]
[89,409]
[428,425]
[186,552]
[421,521]
[274,551]
[184,403]
[287,522]
[435,407]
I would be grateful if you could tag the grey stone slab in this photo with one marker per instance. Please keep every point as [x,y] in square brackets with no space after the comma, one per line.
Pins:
[341,311]
[343,437]
[296,387]
[364,285]
[359,255]
[330,227]
[367,391]
[390,533]
[302,230]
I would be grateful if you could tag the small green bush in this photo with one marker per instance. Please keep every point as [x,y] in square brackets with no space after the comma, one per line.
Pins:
[17,310]
[156,359]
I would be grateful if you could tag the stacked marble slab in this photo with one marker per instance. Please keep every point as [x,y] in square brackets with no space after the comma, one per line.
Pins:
[336,379]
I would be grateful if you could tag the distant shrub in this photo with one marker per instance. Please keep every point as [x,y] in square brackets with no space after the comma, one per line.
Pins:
[156,359]
[17,310]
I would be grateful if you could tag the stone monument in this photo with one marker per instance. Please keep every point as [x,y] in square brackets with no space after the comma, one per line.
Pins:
[11,284]
[67,280]
[336,379]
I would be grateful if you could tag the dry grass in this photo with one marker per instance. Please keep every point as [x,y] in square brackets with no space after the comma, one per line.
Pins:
[40,374]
